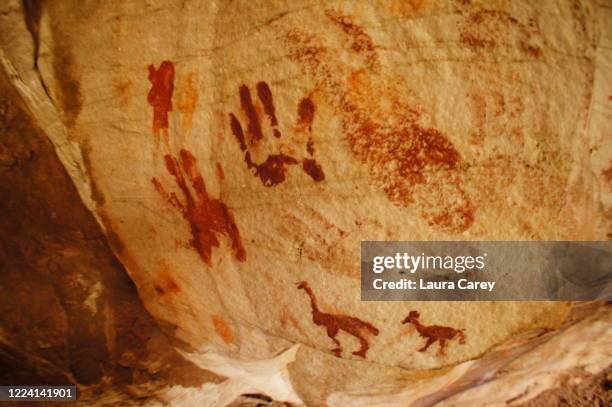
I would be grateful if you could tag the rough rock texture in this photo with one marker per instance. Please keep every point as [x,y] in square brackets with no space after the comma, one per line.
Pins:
[593,391]
[233,155]
[69,313]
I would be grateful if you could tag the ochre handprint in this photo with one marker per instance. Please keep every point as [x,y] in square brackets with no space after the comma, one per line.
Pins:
[272,171]
[208,217]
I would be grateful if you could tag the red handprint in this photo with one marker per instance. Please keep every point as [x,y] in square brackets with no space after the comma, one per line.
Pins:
[208,218]
[272,171]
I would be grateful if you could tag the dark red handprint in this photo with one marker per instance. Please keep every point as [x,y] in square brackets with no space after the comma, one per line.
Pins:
[272,171]
[208,217]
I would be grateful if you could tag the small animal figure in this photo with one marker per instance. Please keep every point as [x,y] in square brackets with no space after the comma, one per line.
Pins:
[434,333]
[336,323]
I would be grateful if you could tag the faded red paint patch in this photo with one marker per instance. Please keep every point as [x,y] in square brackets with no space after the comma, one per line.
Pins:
[406,8]
[265,96]
[335,323]
[220,173]
[188,102]
[496,113]
[361,42]
[223,329]
[273,170]
[160,96]
[411,163]
[287,319]
[434,333]
[208,217]
[123,89]
[488,29]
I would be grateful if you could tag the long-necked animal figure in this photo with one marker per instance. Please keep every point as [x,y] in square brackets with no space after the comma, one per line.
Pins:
[336,323]
[434,333]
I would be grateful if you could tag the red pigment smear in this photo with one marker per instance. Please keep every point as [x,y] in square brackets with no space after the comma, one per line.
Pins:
[223,329]
[336,323]
[361,42]
[220,172]
[160,95]
[434,333]
[207,217]
[399,152]
[492,28]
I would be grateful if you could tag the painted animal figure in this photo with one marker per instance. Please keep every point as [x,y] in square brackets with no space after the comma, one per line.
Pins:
[434,333]
[336,323]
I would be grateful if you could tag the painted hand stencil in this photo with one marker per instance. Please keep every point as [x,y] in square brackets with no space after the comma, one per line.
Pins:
[272,170]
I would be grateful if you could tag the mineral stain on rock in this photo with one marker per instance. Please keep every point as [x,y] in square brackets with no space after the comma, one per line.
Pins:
[223,329]
[160,97]
[334,323]
[208,217]
[272,171]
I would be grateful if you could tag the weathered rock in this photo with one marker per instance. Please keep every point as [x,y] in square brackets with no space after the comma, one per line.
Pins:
[235,154]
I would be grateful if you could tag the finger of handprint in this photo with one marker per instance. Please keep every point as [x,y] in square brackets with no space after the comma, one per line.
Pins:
[238,133]
[188,162]
[361,42]
[265,96]
[313,169]
[175,171]
[305,114]
[253,125]
[170,198]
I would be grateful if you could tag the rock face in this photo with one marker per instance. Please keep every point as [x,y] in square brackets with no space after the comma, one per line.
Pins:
[70,313]
[230,157]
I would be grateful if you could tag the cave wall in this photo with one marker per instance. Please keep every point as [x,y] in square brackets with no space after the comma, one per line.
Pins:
[69,313]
